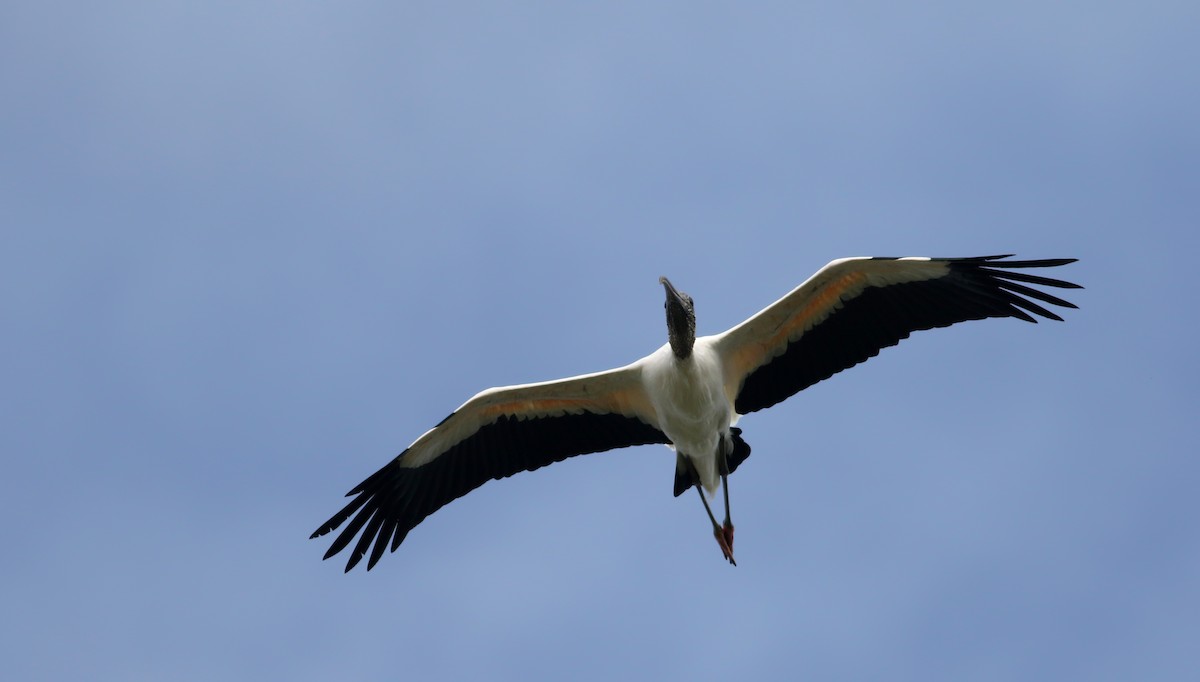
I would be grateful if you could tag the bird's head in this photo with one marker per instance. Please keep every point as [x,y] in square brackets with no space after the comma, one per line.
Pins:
[681,320]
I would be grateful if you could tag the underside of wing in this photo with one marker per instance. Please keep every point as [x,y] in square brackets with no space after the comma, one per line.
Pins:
[853,308]
[496,434]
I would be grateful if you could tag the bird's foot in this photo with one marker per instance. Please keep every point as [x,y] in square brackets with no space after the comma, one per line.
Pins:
[724,538]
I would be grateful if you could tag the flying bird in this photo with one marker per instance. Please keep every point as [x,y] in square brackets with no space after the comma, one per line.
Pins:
[689,393]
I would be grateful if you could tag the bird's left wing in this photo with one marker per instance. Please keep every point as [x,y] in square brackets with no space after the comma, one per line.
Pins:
[495,434]
[853,307]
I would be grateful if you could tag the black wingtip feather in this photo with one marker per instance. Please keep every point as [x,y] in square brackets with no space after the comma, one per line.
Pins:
[393,500]
[880,316]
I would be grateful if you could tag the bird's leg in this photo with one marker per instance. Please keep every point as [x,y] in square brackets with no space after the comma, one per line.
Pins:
[727,527]
[718,532]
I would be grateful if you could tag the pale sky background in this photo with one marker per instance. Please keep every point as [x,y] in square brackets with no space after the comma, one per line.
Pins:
[250,250]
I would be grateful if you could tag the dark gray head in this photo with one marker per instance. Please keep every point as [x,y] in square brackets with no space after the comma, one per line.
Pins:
[681,320]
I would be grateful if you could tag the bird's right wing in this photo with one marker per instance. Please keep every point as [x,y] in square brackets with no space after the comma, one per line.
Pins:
[497,433]
[853,307]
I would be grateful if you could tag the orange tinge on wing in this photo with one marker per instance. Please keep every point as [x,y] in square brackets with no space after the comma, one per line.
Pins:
[754,355]
[619,402]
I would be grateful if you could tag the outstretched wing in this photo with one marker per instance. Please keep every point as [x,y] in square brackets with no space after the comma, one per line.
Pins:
[854,307]
[497,433]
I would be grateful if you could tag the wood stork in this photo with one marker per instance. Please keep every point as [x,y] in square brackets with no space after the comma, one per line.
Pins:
[689,393]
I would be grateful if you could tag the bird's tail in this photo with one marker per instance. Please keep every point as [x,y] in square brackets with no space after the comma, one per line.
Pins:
[684,478]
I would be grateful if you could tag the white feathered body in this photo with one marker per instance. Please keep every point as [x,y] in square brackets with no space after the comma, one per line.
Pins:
[691,404]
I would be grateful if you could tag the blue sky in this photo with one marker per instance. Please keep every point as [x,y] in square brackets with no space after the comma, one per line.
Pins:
[251,250]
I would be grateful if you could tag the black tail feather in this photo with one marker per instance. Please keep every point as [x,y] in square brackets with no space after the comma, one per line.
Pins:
[684,478]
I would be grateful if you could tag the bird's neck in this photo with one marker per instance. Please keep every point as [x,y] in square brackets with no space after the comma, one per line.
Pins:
[682,347]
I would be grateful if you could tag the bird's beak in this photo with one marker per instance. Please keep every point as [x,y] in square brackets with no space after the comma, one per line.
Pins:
[672,293]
